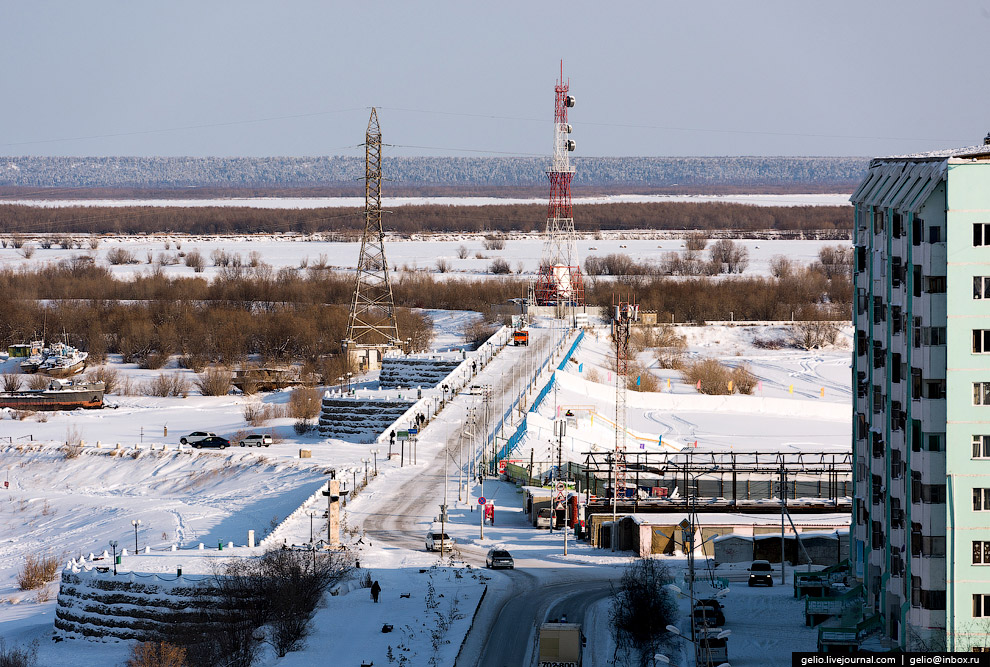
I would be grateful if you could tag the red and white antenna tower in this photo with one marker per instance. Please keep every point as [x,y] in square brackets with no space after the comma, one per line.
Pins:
[559,282]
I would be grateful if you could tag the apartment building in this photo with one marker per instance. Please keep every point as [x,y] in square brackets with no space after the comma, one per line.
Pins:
[921,422]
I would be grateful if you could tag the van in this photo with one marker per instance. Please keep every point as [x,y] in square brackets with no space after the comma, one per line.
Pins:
[437,540]
[544,518]
[760,573]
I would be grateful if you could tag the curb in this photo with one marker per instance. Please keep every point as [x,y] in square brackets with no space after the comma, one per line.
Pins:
[473,617]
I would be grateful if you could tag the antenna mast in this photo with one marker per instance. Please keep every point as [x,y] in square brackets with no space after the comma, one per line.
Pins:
[559,282]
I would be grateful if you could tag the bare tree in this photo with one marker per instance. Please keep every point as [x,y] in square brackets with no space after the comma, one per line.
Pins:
[462,252]
[642,608]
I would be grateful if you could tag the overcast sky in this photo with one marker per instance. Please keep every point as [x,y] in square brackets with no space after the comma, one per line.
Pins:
[469,78]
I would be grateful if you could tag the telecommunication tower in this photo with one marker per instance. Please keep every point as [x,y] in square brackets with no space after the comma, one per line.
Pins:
[371,326]
[559,282]
[624,313]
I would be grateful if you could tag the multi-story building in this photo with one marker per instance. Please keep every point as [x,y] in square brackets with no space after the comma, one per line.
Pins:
[921,422]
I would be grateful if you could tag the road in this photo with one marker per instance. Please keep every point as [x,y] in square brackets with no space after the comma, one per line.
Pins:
[518,600]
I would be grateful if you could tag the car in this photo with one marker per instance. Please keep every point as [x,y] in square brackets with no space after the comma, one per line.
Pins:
[760,573]
[212,441]
[708,613]
[499,558]
[437,540]
[196,436]
[257,440]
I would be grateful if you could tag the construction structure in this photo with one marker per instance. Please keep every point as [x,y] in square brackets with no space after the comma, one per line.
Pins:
[559,283]
[623,314]
[371,327]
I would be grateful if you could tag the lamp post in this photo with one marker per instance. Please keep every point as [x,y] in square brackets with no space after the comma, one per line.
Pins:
[697,649]
[113,545]
[365,461]
[311,514]
[135,523]
[374,452]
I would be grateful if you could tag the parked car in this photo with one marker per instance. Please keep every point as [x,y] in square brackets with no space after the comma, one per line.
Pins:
[499,558]
[708,613]
[256,440]
[437,540]
[212,441]
[761,573]
[544,517]
[196,436]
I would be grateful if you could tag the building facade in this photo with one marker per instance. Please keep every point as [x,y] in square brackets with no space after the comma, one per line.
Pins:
[921,422]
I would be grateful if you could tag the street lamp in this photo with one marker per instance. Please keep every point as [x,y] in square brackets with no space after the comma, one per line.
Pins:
[311,514]
[135,523]
[113,545]
[366,462]
[374,452]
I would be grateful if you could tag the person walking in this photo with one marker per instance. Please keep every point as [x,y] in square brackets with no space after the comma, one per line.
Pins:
[376,590]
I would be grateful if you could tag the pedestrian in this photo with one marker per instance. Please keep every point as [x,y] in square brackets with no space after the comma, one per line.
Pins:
[376,590]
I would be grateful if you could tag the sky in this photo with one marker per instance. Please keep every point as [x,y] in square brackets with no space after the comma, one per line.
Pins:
[455,78]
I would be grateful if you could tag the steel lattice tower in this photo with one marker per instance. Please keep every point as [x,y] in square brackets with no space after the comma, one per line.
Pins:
[623,314]
[559,282]
[372,318]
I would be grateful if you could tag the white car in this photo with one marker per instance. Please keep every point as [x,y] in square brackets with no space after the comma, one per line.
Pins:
[437,540]
[196,436]
[256,440]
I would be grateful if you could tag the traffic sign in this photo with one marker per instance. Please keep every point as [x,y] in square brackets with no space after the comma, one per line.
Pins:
[560,506]
[561,486]
[413,431]
[481,500]
[501,466]
[403,435]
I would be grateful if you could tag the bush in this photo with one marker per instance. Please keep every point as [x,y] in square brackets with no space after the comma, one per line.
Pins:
[499,266]
[462,252]
[37,571]
[494,243]
[809,335]
[108,376]
[743,379]
[258,414]
[167,384]
[117,256]
[215,382]
[27,251]
[647,380]
[443,265]
[17,656]
[695,242]
[194,260]
[727,257]
[304,403]
[12,381]
[713,376]
[157,654]
[642,608]
[38,381]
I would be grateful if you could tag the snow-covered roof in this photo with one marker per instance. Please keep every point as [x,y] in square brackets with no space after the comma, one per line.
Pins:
[731,518]
[981,150]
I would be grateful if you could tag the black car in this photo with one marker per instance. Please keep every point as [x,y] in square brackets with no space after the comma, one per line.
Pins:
[212,441]
[708,613]
[760,573]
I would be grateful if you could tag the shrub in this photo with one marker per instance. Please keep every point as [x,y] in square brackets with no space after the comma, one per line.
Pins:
[727,257]
[38,381]
[37,571]
[117,256]
[157,654]
[304,403]
[809,335]
[743,379]
[215,382]
[27,251]
[462,252]
[768,343]
[194,260]
[494,243]
[499,266]
[16,241]
[17,656]
[713,376]
[12,381]
[258,414]
[443,265]
[695,242]
[94,242]
[46,243]
[647,380]
[167,384]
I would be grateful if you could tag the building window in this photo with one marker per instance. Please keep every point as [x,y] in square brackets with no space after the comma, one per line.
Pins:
[936,442]
[934,234]
[935,388]
[933,335]
[981,287]
[981,234]
[981,341]
[981,605]
[981,393]
[878,222]
[981,553]
[981,500]
[981,446]
[935,284]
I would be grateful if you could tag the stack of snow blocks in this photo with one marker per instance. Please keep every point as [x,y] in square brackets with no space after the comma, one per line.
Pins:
[359,419]
[415,371]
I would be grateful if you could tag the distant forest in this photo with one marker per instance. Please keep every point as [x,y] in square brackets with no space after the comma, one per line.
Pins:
[825,221]
[407,175]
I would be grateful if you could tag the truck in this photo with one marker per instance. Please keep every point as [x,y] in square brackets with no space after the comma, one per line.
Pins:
[560,645]
[520,337]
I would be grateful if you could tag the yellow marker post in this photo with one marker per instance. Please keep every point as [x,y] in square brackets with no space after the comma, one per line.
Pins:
[823,392]
[790,389]
[730,386]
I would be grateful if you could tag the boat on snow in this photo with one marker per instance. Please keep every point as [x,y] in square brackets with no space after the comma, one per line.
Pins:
[59,395]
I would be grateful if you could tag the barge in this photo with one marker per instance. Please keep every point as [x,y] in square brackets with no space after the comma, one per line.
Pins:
[59,395]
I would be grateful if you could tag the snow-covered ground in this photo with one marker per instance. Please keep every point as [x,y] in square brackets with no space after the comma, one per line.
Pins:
[74,506]
[300,253]
[333,202]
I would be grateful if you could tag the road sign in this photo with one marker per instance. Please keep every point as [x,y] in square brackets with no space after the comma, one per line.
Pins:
[561,487]
[481,500]
[403,435]
[560,506]
[413,431]
[501,466]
